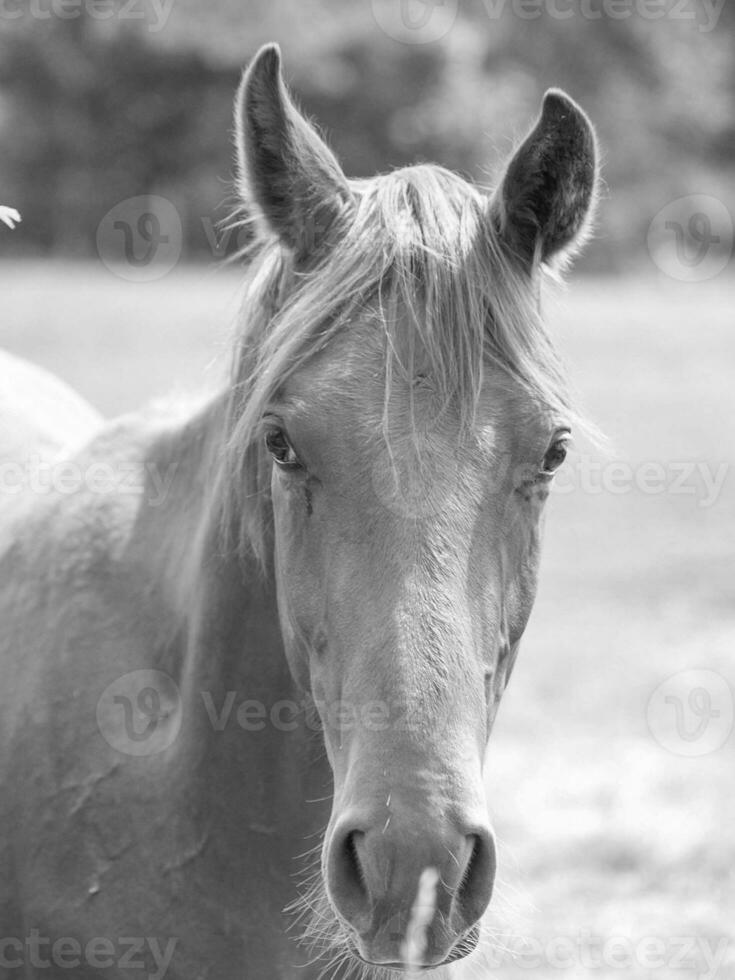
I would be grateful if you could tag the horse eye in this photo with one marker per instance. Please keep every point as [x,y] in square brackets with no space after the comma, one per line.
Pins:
[277,444]
[555,455]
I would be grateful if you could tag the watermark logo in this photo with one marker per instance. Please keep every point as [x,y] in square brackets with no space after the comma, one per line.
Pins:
[37,475]
[415,21]
[586,952]
[140,713]
[148,956]
[153,13]
[702,481]
[691,239]
[339,716]
[415,487]
[424,21]
[141,238]
[703,14]
[692,713]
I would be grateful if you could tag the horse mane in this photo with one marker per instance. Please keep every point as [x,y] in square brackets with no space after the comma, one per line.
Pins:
[420,240]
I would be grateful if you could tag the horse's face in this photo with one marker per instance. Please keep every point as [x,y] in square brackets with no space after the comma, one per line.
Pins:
[406,574]
[406,554]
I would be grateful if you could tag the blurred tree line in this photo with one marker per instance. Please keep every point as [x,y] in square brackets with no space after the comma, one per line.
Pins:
[96,110]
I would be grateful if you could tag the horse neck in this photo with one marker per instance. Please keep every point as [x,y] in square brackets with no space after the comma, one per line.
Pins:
[243,712]
[213,592]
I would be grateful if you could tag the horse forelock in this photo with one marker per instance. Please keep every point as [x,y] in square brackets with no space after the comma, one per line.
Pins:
[420,255]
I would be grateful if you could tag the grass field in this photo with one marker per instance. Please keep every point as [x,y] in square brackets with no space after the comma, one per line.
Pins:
[617,852]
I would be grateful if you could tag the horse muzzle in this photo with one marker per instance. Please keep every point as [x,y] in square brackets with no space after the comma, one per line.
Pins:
[373,865]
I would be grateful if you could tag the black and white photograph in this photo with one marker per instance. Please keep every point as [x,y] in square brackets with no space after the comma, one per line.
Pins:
[365,364]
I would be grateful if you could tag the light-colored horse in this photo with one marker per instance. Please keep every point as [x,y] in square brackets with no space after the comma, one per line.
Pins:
[39,413]
[302,644]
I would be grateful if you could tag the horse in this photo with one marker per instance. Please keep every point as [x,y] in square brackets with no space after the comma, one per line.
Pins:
[249,680]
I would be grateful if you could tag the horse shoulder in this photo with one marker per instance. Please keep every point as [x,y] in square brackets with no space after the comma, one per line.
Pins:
[67,578]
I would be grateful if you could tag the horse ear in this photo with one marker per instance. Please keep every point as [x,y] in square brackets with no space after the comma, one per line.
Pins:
[545,201]
[285,170]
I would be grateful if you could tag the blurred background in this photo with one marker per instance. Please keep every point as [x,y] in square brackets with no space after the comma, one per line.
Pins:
[103,100]
[611,772]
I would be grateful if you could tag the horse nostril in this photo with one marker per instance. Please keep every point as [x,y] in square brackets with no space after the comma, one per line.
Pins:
[346,878]
[353,868]
[475,889]
[468,872]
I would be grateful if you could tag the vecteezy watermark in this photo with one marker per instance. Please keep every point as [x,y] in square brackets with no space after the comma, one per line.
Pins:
[692,712]
[222,239]
[141,238]
[423,21]
[340,716]
[415,21]
[415,488]
[702,481]
[155,13]
[38,475]
[705,14]
[694,956]
[148,957]
[140,713]
[691,239]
